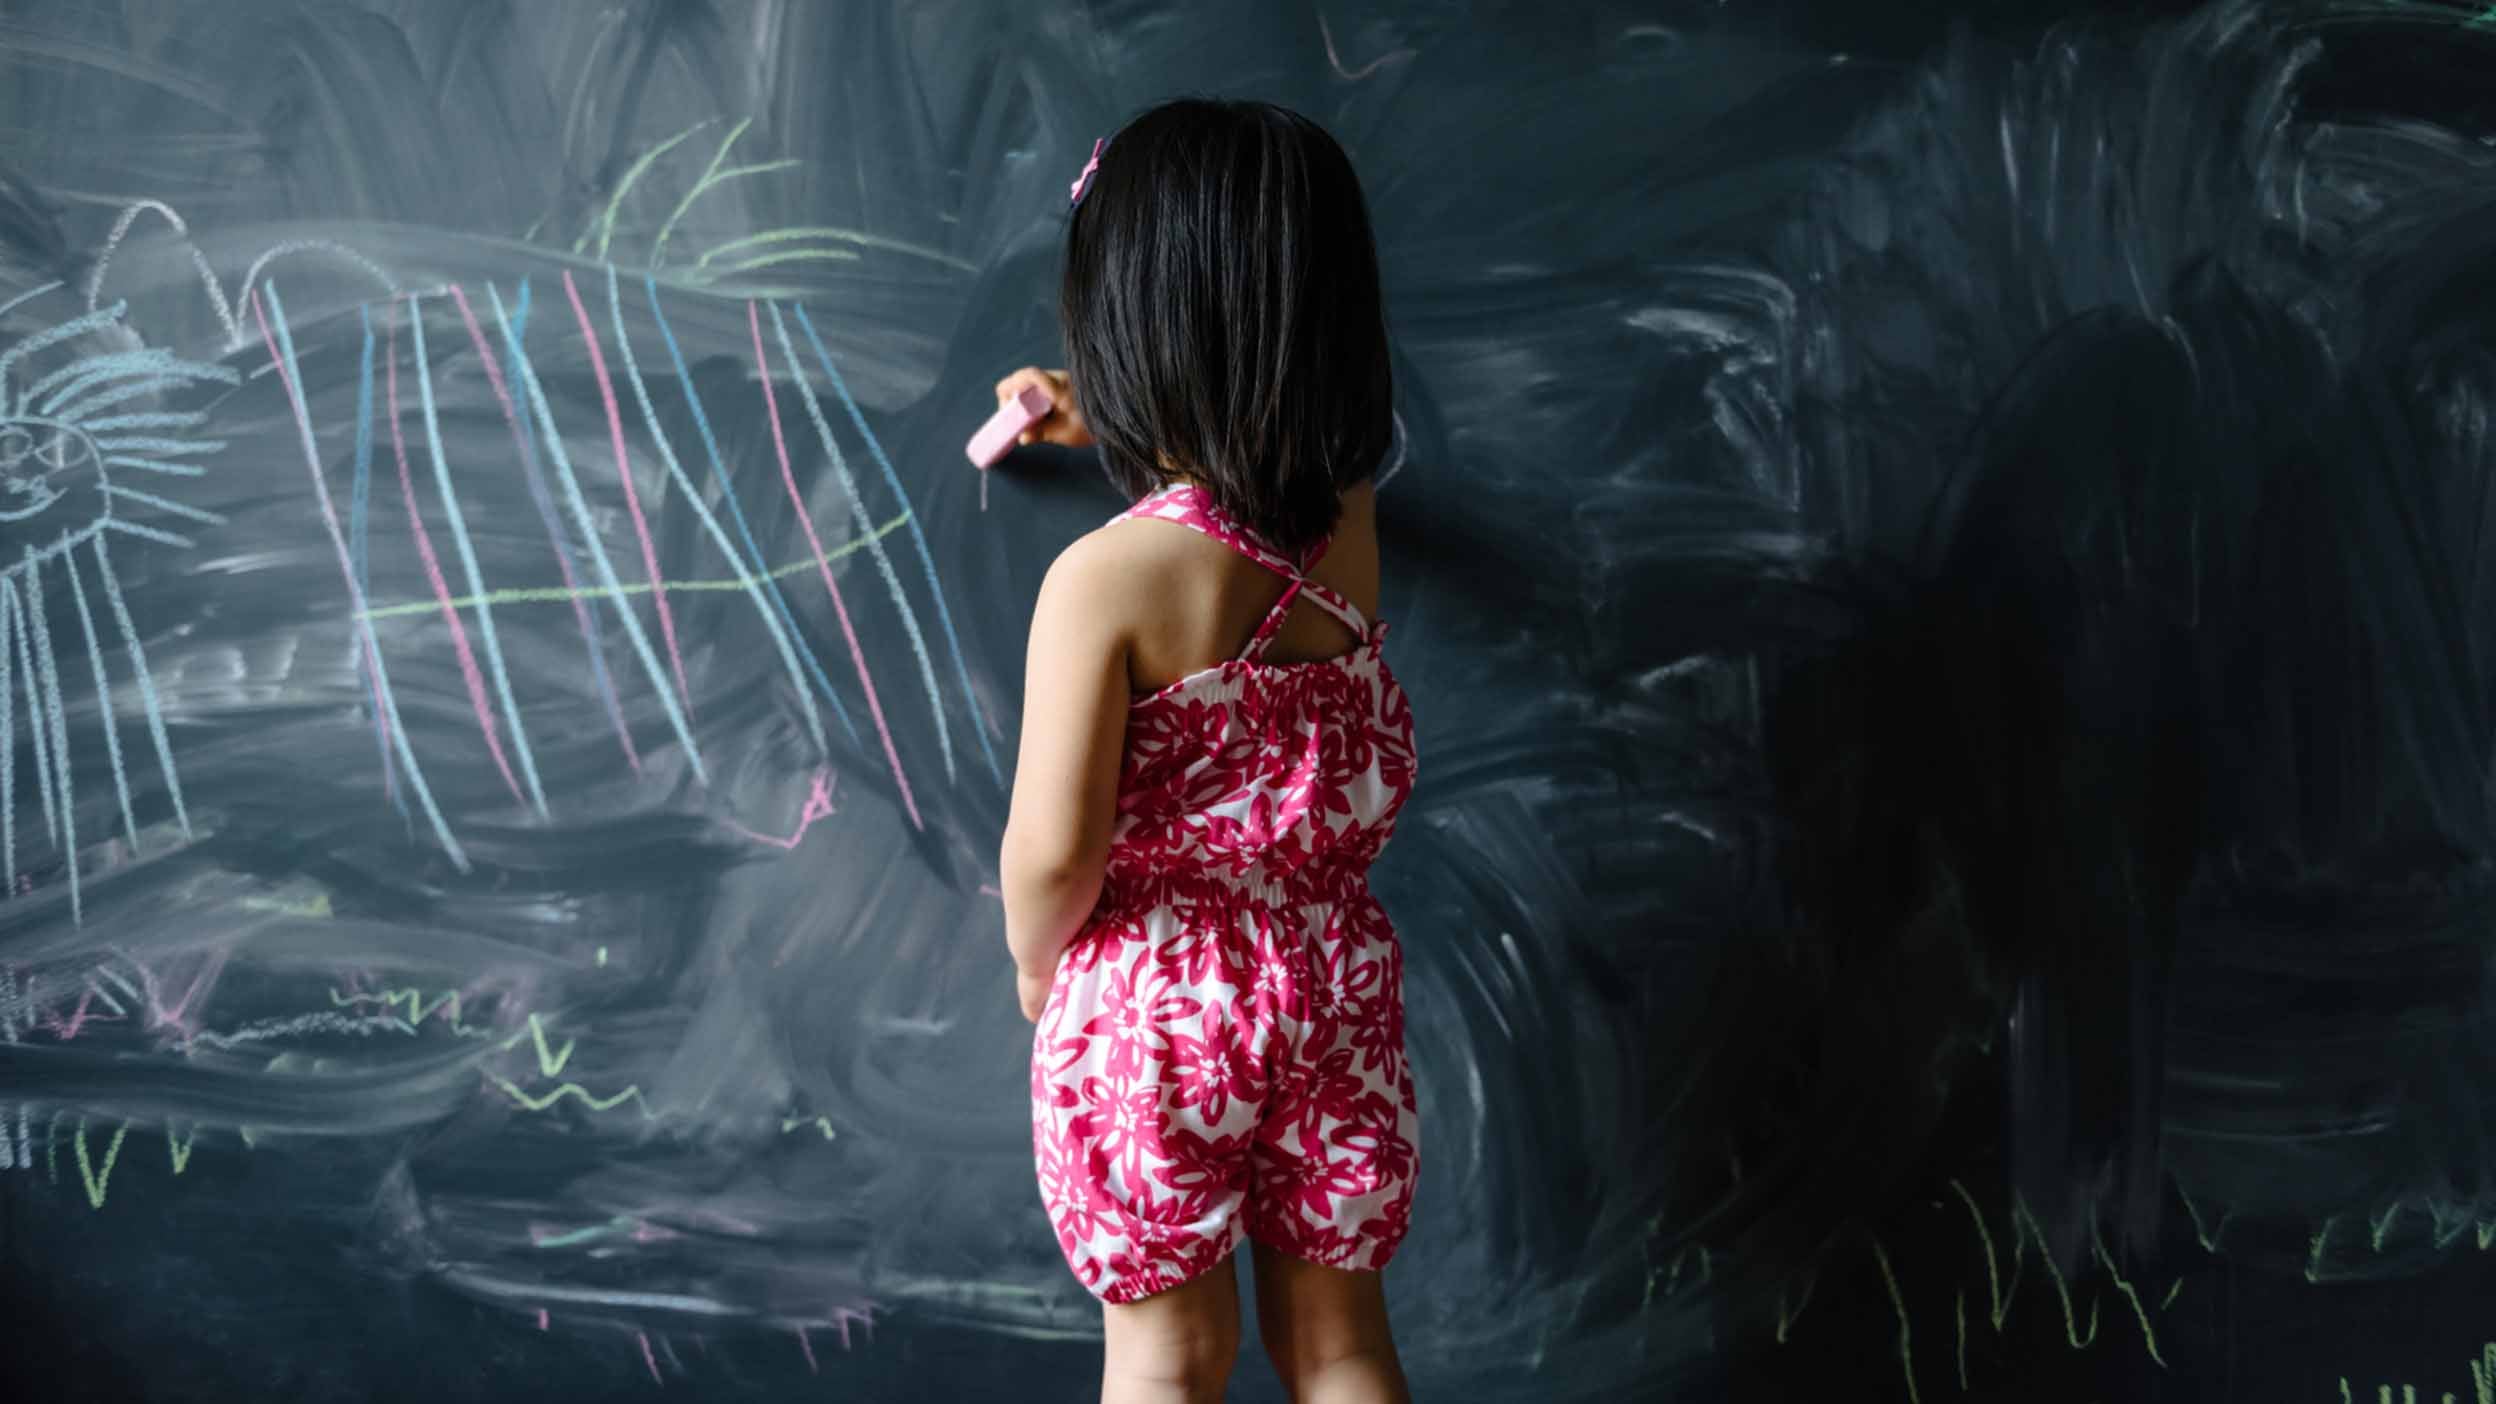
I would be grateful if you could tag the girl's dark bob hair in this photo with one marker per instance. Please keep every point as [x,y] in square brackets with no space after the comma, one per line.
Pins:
[1223,315]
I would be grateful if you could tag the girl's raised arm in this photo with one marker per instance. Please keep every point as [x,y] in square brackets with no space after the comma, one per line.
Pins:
[1064,424]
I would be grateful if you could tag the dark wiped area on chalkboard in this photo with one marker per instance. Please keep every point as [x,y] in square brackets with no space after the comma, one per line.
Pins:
[1937,561]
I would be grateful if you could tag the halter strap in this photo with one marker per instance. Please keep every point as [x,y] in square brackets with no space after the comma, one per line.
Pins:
[1190,506]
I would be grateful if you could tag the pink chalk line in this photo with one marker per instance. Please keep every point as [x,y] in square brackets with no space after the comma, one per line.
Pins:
[67,1029]
[563,562]
[632,495]
[468,669]
[857,655]
[818,806]
[161,1017]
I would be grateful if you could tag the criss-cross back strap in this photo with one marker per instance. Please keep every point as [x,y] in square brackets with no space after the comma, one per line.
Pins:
[1190,506]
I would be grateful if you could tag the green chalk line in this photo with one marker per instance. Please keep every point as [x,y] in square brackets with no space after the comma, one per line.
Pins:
[565,595]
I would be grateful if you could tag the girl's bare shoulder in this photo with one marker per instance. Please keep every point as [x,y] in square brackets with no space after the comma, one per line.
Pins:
[1113,572]
[1121,554]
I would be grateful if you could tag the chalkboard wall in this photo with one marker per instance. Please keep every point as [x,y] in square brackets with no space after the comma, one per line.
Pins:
[1940,560]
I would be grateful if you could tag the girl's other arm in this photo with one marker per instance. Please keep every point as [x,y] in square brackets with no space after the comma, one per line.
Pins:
[1075,697]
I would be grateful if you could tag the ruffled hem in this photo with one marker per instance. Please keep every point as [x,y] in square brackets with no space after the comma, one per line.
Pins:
[1135,1287]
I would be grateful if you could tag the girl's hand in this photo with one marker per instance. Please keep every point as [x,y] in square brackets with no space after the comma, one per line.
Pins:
[1064,424]
[1034,991]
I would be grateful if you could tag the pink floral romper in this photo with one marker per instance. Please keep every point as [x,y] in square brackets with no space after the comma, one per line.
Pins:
[1223,1048]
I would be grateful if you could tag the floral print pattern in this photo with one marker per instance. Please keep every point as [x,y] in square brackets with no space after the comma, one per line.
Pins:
[1223,1047]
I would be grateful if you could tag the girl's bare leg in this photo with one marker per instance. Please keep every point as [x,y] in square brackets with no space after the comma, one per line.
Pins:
[1326,1330]
[1173,1347]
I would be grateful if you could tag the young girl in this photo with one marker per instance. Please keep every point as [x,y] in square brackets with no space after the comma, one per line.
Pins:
[1213,751]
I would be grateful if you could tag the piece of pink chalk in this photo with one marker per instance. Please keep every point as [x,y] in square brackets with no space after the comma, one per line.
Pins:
[1012,418]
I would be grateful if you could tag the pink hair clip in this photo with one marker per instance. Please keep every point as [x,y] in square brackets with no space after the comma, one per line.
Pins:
[1074,193]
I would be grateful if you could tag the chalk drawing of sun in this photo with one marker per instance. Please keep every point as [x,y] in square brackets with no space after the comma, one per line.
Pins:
[76,443]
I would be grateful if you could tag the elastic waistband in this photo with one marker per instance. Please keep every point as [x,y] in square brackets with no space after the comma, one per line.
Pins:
[1324,886]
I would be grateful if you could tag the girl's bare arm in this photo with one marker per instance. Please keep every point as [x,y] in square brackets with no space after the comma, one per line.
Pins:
[1075,697]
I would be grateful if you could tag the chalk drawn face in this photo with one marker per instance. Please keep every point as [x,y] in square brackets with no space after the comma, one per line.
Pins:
[51,474]
[61,427]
